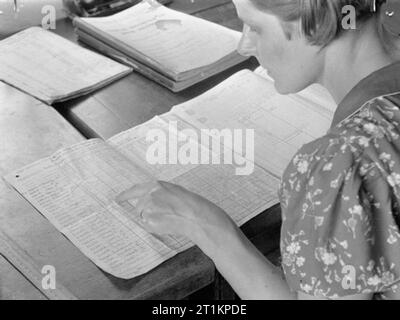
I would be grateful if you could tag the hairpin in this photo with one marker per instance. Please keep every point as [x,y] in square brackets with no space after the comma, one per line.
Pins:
[373,6]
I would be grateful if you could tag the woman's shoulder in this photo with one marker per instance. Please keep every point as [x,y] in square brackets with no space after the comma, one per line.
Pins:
[361,148]
[340,200]
[378,119]
[372,129]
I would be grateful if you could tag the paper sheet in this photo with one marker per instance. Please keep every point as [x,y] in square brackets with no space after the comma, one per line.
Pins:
[53,69]
[282,124]
[242,197]
[169,39]
[75,189]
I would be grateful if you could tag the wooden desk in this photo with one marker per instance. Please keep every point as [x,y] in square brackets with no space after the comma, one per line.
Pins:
[29,131]
[13,286]
[32,131]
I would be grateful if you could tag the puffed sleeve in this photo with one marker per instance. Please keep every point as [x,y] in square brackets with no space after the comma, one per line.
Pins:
[341,219]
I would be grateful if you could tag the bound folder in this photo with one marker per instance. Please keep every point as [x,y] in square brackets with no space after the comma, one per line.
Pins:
[174,49]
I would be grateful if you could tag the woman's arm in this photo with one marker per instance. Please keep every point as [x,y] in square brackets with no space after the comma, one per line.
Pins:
[249,273]
[252,276]
[169,209]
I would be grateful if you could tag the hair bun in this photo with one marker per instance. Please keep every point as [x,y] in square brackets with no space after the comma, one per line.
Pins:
[390,16]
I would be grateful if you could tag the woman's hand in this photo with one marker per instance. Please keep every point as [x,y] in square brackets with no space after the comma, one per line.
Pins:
[170,209]
[166,208]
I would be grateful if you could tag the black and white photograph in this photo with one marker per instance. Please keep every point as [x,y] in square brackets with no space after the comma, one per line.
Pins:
[199,155]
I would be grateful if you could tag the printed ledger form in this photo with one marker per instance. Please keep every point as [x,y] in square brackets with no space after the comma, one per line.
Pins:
[53,69]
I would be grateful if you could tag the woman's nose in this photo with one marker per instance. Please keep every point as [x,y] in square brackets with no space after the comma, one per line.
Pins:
[247,45]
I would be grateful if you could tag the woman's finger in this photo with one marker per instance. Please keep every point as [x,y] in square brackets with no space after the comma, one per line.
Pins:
[144,204]
[135,192]
[149,204]
[163,223]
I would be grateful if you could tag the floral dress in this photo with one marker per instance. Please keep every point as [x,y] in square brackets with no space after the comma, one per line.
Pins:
[340,198]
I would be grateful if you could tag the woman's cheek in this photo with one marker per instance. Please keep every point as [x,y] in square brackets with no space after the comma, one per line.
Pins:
[272,56]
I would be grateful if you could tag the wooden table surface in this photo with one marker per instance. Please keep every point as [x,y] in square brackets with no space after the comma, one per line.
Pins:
[30,130]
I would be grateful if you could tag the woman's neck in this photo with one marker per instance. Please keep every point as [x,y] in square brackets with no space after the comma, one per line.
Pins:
[351,58]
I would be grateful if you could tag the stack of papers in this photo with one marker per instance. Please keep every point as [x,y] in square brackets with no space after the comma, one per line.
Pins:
[53,69]
[172,48]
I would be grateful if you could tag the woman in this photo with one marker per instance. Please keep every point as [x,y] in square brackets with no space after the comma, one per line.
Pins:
[340,195]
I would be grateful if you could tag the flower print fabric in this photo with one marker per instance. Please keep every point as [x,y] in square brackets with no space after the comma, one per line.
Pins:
[340,198]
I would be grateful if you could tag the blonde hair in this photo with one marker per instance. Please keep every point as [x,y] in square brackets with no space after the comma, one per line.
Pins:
[321,20]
